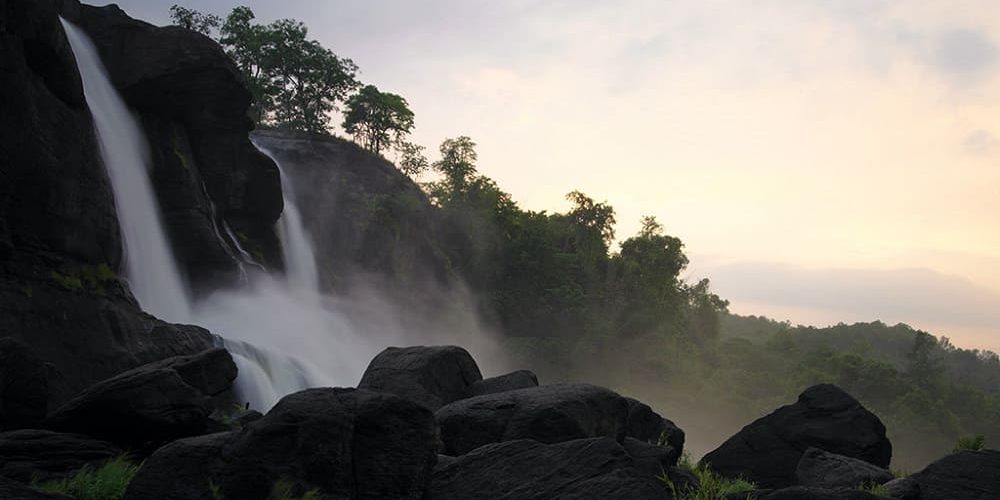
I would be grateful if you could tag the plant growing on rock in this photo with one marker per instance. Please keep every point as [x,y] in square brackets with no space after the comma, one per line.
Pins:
[711,486]
[973,443]
[107,482]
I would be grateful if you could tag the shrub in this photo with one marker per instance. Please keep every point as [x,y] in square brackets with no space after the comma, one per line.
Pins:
[876,489]
[107,482]
[974,443]
[711,486]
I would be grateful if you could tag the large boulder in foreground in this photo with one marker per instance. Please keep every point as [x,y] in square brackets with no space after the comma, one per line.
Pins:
[804,493]
[14,490]
[548,414]
[823,469]
[24,386]
[31,454]
[430,375]
[152,404]
[645,424]
[348,443]
[968,475]
[528,470]
[768,450]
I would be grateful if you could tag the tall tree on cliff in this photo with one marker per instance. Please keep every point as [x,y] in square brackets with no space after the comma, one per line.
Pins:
[377,119]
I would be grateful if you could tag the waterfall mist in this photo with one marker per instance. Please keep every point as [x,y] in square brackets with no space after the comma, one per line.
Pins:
[283,333]
[150,267]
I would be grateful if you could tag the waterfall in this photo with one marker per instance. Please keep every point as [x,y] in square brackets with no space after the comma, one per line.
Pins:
[150,267]
[300,260]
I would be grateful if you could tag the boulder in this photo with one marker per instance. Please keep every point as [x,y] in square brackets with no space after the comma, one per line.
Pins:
[24,386]
[149,405]
[645,424]
[348,443]
[804,493]
[528,470]
[651,458]
[768,450]
[13,490]
[904,488]
[822,469]
[31,454]
[211,371]
[520,379]
[549,414]
[430,375]
[969,475]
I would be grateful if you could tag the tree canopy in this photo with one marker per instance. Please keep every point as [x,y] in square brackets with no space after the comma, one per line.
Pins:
[378,119]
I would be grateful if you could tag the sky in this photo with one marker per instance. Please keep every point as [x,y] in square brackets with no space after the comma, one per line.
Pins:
[822,161]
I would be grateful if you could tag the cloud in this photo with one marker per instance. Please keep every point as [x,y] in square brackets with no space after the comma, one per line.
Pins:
[964,53]
[980,142]
[913,295]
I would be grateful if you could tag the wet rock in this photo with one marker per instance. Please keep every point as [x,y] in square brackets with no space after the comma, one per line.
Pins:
[823,469]
[529,470]
[520,379]
[430,375]
[549,414]
[24,386]
[32,454]
[13,490]
[768,450]
[347,443]
[969,475]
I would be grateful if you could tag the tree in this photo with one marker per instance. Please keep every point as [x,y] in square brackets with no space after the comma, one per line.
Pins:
[596,217]
[457,165]
[377,119]
[194,20]
[294,82]
[411,159]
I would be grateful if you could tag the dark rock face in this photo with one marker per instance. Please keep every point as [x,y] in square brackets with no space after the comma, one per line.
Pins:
[365,217]
[651,458]
[31,454]
[13,490]
[803,493]
[969,475]
[24,386]
[521,379]
[137,408]
[768,450]
[57,218]
[904,488]
[529,470]
[822,469]
[645,424]
[430,375]
[193,106]
[349,443]
[549,414]
[212,371]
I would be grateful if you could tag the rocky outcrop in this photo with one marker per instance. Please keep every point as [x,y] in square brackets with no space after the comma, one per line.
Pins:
[520,379]
[193,106]
[768,450]
[529,470]
[14,490]
[969,475]
[59,237]
[548,414]
[804,493]
[348,443]
[429,375]
[30,454]
[822,469]
[24,386]
[366,217]
[645,424]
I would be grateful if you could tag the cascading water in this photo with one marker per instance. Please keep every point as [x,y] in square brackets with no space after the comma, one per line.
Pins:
[283,333]
[150,267]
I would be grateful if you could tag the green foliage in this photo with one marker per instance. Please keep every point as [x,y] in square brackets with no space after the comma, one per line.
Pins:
[411,159]
[973,443]
[107,482]
[377,119]
[875,489]
[194,20]
[67,281]
[87,277]
[294,82]
[284,489]
[711,486]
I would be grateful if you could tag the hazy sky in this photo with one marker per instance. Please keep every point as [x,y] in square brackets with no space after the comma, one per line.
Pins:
[822,160]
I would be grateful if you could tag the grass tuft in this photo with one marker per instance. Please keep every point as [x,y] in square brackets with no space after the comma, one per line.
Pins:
[107,482]
[711,486]
[974,443]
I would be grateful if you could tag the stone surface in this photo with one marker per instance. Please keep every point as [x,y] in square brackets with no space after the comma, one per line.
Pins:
[549,414]
[904,488]
[24,386]
[14,490]
[651,458]
[430,375]
[348,443]
[520,379]
[969,475]
[768,450]
[645,424]
[804,493]
[30,454]
[529,470]
[823,469]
